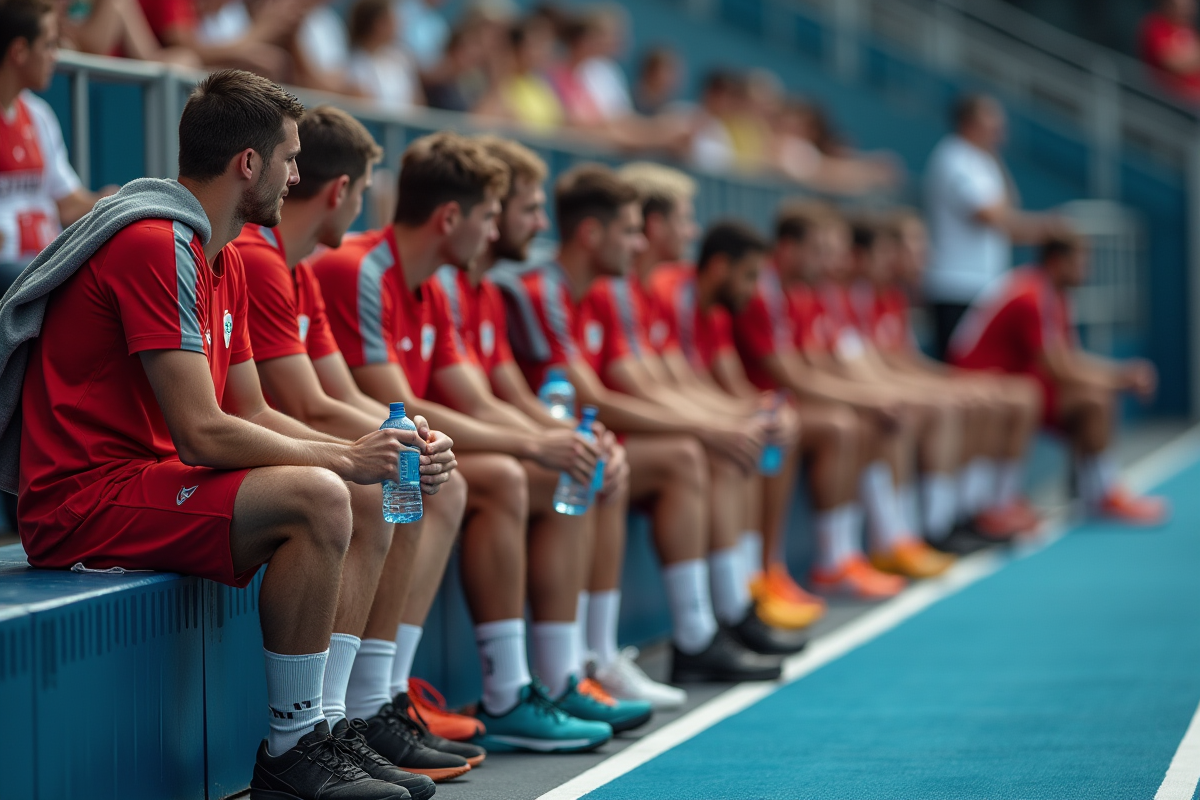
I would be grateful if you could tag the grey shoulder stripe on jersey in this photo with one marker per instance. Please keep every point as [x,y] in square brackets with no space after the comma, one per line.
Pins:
[269,235]
[185,289]
[626,312]
[370,303]
[448,277]
[556,314]
[525,334]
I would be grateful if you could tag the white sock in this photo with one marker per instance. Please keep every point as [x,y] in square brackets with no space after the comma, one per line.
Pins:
[1097,477]
[371,679]
[342,649]
[830,539]
[294,696]
[909,507]
[730,584]
[556,654]
[1008,483]
[582,604]
[937,504]
[407,639]
[505,666]
[962,494]
[852,530]
[603,614]
[694,625]
[982,483]
[751,543]
[883,511]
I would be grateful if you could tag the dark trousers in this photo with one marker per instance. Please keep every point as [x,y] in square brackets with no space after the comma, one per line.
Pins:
[946,317]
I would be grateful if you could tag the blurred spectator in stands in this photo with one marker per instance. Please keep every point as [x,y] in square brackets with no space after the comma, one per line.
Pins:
[422,31]
[202,25]
[460,82]
[114,28]
[841,171]
[601,42]
[378,69]
[39,191]
[1170,44]
[713,147]
[659,78]
[320,49]
[525,96]
[973,213]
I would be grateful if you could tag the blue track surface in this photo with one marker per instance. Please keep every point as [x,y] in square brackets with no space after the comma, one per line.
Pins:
[1069,674]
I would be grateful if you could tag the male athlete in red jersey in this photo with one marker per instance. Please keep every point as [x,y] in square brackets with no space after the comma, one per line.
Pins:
[554,591]
[482,315]
[1002,412]
[297,359]
[172,460]
[396,330]
[551,325]
[655,301]
[1023,325]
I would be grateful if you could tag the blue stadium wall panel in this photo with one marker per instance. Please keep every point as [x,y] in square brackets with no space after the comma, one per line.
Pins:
[235,685]
[16,697]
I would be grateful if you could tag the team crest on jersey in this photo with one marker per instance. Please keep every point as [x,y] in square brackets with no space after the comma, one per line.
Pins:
[428,337]
[227,325]
[487,338]
[658,334]
[593,336]
[406,344]
[304,322]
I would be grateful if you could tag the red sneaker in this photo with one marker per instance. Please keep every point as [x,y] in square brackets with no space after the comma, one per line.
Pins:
[856,578]
[437,717]
[1121,505]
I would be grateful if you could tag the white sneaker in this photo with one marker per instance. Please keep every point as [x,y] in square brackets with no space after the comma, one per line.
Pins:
[625,680]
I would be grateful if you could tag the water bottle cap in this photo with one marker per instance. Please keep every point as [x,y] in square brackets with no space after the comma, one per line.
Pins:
[556,374]
[396,409]
[588,416]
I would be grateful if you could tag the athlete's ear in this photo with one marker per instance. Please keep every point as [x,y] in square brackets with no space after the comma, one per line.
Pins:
[339,190]
[591,232]
[448,216]
[246,162]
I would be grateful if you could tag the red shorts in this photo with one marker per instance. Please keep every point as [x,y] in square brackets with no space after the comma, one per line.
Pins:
[1050,405]
[167,517]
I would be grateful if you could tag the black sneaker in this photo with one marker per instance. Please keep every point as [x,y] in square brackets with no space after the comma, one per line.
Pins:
[963,540]
[473,753]
[398,739]
[350,734]
[317,768]
[725,660]
[766,639]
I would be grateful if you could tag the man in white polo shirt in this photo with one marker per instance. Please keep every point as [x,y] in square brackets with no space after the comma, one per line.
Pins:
[973,214]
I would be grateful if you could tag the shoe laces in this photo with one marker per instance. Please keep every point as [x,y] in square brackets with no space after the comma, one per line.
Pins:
[539,698]
[336,757]
[356,743]
[405,726]
[595,691]
[627,667]
[423,693]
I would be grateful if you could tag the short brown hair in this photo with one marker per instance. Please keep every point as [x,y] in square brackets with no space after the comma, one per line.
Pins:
[589,190]
[228,112]
[798,219]
[523,164]
[443,168]
[333,144]
[1063,240]
[731,238]
[21,19]
[659,188]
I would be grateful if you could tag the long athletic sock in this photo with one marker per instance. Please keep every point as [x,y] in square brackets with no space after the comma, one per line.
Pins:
[294,695]
[1097,478]
[694,625]
[982,483]
[910,511]
[555,654]
[938,505]
[582,604]
[730,585]
[342,651]
[408,637]
[505,666]
[962,494]
[852,529]
[883,512]
[1008,483]
[603,613]
[829,528]
[751,543]
[371,679]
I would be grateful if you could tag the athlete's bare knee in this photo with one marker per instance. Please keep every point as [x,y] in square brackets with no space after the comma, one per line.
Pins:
[689,463]
[370,530]
[500,482]
[451,499]
[325,505]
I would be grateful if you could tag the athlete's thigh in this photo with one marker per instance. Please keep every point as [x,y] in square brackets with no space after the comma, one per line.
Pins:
[654,461]
[542,484]
[822,423]
[494,478]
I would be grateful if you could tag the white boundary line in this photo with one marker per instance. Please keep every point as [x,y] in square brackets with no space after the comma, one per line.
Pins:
[1144,474]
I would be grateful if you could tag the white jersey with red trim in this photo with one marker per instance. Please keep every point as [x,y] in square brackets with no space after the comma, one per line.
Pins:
[34,173]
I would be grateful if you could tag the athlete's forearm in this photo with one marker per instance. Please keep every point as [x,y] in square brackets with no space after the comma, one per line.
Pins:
[284,425]
[474,436]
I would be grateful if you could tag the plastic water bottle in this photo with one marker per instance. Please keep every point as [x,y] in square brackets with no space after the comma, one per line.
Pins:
[557,394]
[770,463]
[572,497]
[402,500]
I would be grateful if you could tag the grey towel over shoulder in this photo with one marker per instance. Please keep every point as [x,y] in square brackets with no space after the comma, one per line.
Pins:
[24,306]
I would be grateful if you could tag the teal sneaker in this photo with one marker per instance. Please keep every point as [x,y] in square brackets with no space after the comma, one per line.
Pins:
[586,699]
[535,724]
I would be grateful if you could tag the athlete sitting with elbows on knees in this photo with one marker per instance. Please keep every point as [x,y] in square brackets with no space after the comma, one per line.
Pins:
[170,459]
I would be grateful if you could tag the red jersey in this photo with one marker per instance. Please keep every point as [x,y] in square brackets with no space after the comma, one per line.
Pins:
[612,324]
[1012,324]
[546,327]
[164,15]
[1159,39]
[659,316]
[778,320]
[479,317]
[881,316]
[702,335]
[377,319]
[287,311]
[90,417]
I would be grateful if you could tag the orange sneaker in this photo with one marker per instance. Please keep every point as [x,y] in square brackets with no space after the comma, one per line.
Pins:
[1121,505]
[781,583]
[912,558]
[1000,524]
[438,718]
[594,690]
[779,611]
[1030,517]
[856,578]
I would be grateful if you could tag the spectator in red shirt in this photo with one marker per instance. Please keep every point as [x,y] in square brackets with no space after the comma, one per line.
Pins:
[1024,326]
[1170,45]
